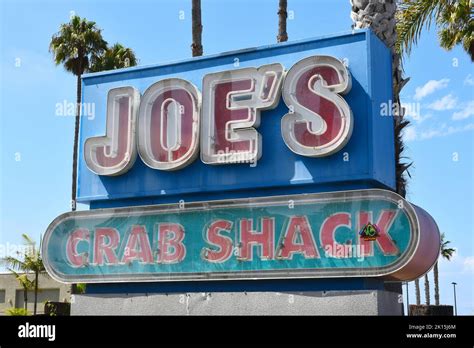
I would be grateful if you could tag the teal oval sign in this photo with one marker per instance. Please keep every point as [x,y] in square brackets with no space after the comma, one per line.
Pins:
[365,233]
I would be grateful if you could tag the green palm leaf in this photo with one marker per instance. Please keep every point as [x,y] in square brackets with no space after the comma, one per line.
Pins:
[454,19]
[76,43]
[115,57]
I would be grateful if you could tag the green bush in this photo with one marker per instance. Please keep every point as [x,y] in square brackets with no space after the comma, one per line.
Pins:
[17,312]
[80,288]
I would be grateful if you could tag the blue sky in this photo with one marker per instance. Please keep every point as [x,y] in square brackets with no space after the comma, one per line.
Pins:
[36,145]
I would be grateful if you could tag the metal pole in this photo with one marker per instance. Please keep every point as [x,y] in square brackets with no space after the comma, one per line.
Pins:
[408,302]
[455,304]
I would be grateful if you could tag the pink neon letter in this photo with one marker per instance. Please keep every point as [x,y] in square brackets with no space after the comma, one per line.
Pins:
[298,225]
[168,124]
[103,248]
[320,121]
[328,231]
[264,239]
[138,246]
[215,238]
[115,153]
[170,239]
[76,259]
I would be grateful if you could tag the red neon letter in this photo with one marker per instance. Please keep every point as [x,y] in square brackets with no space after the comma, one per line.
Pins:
[170,239]
[232,101]
[77,259]
[223,243]
[103,248]
[328,231]
[298,226]
[320,120]
[115,153]
[384,241]
[138,246]
[168,124]
[264,239]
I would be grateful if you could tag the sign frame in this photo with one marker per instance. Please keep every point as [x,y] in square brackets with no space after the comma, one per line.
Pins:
[418,257]
[361,163]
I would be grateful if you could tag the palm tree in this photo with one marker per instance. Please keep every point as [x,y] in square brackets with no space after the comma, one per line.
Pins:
[29,261]
[379,16]
[446,253]
[455,26]
[114,57]
[417,291]
[25,283]
[427,290]
[458,27]
[282,16]
[196,46]
[453,19]
[74,46]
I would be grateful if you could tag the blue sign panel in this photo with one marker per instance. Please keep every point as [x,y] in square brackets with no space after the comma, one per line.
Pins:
[363,159]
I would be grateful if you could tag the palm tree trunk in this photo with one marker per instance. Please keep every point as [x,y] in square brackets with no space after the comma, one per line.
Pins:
[380,17]
[427,290]
[25,297]
[76,143]
[417,291]
[196,28]
[436,284]
[282,16]
[36,293]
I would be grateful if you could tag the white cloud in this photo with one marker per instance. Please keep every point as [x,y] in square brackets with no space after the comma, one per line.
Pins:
[420,118]
[459,263]
[456,264]
[413,133]
[452,271]
[430,134]
[469,80]
[409,134]
[413,111]
[430,87]
[443,131]
[468,264]
[467,111]
[448,102]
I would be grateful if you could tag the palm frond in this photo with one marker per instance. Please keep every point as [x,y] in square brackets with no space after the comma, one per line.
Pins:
[401,168]
[14,263]
[115,57]
[23,279]
[75,43]
[412,17]
[446,252]
[27,239]
[29,261]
